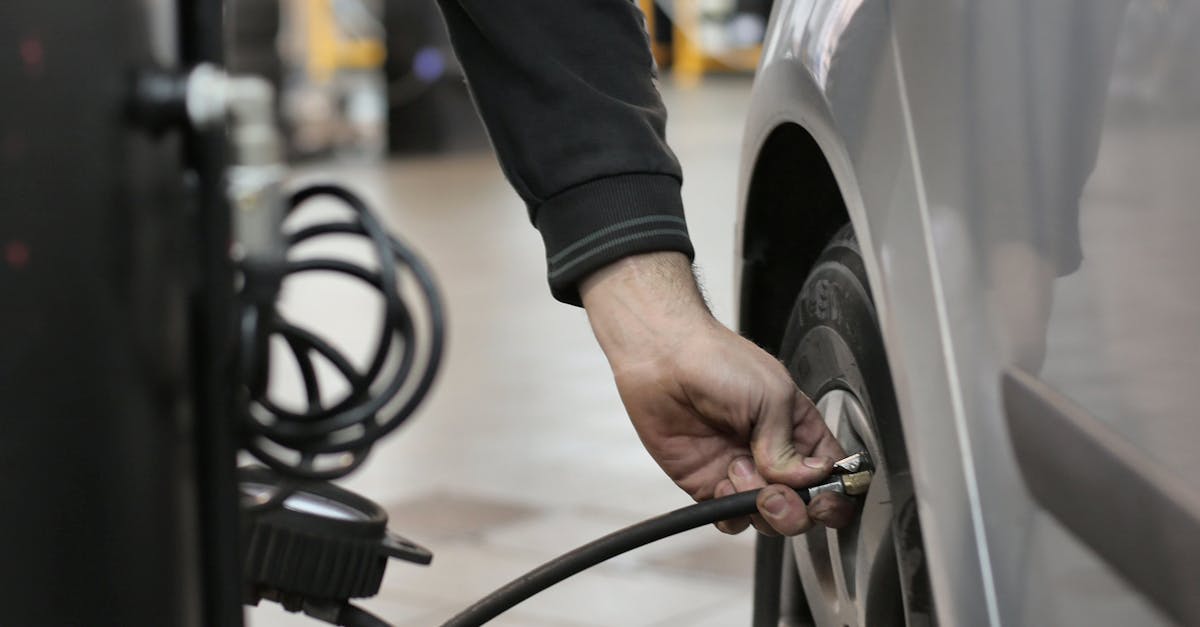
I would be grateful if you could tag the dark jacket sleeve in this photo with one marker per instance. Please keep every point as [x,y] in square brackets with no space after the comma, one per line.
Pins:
[566,90]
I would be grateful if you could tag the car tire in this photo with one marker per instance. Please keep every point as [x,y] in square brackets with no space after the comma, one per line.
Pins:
[872,572]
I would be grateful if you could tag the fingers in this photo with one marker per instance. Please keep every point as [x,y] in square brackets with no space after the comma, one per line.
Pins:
[733,526]
[783,510]
[744,477]
[832,510]
[791,443]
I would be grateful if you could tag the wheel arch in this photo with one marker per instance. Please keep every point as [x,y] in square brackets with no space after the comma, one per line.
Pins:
[793,205]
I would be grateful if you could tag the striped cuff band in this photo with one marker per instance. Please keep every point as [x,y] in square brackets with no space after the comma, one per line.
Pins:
[597,223]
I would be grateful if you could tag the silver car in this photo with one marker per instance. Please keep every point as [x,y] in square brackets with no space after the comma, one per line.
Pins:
[971,230]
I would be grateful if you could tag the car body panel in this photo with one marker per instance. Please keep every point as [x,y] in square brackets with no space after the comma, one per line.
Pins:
[983,149]
[787,92]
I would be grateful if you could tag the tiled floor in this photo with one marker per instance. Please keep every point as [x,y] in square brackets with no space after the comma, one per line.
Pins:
[523,450]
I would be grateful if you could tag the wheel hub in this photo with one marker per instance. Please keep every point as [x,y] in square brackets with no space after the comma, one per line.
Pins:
[849,575]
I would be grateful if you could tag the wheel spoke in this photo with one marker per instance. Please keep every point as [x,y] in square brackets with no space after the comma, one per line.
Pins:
[839,568]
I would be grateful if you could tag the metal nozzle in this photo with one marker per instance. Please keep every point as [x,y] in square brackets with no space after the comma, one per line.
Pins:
[857,483]
[854,463]
[851,476]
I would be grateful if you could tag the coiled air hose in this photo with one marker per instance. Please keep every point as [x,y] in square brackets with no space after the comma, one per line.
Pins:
[328,441]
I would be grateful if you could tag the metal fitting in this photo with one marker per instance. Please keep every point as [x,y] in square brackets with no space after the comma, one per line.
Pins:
[856,483]
[245,106]
[206,99]
[854,463]
[852,484]
[851,476]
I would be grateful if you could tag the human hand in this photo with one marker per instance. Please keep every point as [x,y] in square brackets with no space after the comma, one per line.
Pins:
[716,412]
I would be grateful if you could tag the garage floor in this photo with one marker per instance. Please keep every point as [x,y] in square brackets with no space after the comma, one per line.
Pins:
[523,450]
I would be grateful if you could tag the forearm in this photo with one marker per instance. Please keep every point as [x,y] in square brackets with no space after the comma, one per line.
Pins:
[643,305]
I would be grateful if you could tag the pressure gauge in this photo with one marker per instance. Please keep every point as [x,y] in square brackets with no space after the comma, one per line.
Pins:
[314,541]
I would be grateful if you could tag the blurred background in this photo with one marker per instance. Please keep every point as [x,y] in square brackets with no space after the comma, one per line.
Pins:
[369,78]
[523,451]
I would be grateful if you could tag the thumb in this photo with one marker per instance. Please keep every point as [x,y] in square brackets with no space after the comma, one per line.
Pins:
[784,438]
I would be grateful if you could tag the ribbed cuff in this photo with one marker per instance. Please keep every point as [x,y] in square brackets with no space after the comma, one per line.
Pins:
[590,226]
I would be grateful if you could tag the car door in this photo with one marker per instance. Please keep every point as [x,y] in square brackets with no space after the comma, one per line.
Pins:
[1057,143]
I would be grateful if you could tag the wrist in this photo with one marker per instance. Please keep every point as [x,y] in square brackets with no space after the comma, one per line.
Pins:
[643,305]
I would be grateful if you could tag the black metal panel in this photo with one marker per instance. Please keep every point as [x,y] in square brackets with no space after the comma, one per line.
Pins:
[202,40]
[1135,514]
[96,465]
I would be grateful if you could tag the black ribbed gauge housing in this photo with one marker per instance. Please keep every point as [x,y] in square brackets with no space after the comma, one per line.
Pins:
[315,540]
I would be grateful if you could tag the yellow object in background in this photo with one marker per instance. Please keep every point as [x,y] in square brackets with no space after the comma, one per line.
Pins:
[660,50]
[328,51]
[687,57]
